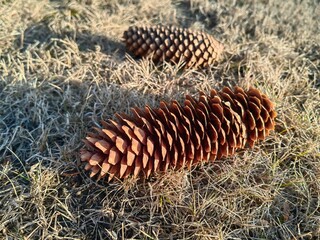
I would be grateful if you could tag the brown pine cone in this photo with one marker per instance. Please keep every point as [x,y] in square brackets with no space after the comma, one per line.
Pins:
[173,44]
[175,136]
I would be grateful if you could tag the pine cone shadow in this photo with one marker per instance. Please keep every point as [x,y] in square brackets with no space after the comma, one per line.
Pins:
[89,42]
[38,33]
[41,35]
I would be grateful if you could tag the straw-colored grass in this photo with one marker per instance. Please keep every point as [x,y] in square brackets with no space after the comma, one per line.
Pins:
[63,68]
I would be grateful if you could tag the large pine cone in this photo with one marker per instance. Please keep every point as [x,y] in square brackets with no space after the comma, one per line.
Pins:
[175,136]
[172,44]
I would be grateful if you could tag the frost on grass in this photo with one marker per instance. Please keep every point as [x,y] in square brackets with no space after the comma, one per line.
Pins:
[63,68]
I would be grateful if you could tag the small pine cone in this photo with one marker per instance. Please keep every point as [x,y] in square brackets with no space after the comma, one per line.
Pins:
[175,136]
[172,44]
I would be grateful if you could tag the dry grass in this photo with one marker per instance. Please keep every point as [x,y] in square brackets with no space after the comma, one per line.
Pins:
[63,68]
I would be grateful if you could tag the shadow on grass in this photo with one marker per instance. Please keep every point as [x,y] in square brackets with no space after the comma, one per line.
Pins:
[65,119]
[41,34]
[190,16]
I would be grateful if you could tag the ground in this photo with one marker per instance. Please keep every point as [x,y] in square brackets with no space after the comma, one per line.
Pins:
[63,68]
